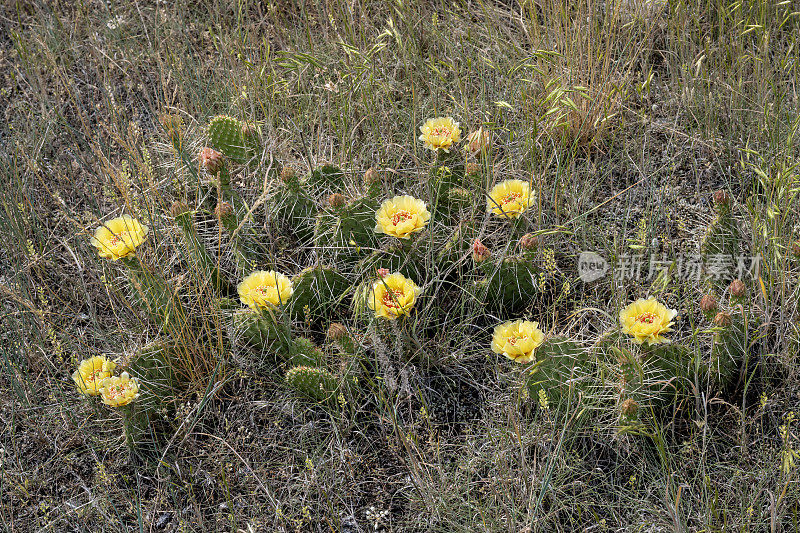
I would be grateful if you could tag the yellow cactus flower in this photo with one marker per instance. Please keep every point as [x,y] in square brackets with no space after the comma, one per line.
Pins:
[392,296]
[119,390]
[91,373]
[509,198]
[119,237]
[647,320]
[440,133]
[264,289]
[517,340]
[401,216]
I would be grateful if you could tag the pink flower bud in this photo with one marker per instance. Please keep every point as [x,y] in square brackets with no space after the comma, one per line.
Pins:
[480,253]
[210,160]
[383,272]
[708,303]
[737,288]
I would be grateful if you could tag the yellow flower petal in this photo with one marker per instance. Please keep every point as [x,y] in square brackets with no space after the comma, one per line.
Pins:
[91,373]
[265,289]
[119,390]
[509,198]
[119,237]
[647,321]
[517,340]
[440,133]
[401,216]
[392,296]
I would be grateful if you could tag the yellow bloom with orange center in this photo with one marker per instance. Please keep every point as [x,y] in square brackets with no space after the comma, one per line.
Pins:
[401,216]
[440,133]
[509,198]
[392,296]
[119,390]
[119,237]
[265,289]
[517,340]
[91,373]
[647,320]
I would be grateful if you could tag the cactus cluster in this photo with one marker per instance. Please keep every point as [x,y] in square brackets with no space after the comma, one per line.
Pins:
[369,257]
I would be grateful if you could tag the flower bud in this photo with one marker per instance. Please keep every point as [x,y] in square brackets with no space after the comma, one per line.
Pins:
[629,407]
[172,124]
[708,303]
[336,200]
[480,253]
[473,169]
[529,241]
[223,210]
[249,130]
[336,331]
[210,160]
[179,208]
[737,288]
[383,272]
[796,248]
[478,141]
[723,319]
[288,173]
[371,177]
[721,198]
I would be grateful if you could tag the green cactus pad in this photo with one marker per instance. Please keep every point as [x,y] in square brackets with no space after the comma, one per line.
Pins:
[315,383]
[317,290]
[232,138]
[347,232]
[202,265]
[326,178]
[561,365]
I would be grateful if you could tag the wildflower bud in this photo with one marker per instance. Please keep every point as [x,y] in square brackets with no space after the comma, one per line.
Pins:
[472,169]
[336,331]
[210,160]
[478,141]
[288,173]
[172,124]
[708,303]
[179,208]
[223,210]
[336,200]
[249,130]
[480,253]
[737,288]
[371,177]
[796,248]
[721,198]
[723,319]
[383,272]
[629,407]
[529,241]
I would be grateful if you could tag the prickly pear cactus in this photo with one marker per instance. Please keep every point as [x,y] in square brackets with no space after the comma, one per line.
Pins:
[347,231]
[238,141]
[317,291]
[561,366]
[511,282]
[326,178]
[293,207]
[313,382]
[721,242]
[202,265]
[303,351]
